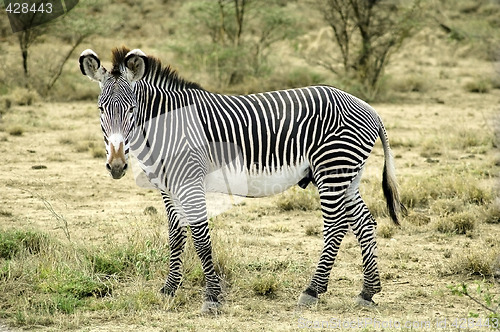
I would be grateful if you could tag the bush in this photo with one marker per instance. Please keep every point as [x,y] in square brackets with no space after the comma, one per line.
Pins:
[16,131]
[418,218]
[386,231]
[11,242]
[299,199]
[313,230]
[479,85]
[265,285]
[420,191]
[21,97]
[460,223]
[480,262]
[98,152]
[491,214]
[411,83]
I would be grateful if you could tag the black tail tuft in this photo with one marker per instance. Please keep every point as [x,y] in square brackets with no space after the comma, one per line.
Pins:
[394,205]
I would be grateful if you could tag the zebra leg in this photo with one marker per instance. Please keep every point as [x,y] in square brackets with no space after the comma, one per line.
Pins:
[176,241]
[363,226]
[203,247]
[334,230]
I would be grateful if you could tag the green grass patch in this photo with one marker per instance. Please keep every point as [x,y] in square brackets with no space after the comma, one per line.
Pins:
[12,242]
[265,285]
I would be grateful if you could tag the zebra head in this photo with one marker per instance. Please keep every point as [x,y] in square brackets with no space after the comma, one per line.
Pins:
[117,103]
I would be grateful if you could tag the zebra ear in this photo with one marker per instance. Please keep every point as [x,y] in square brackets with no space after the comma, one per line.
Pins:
[136,63]
[90,65]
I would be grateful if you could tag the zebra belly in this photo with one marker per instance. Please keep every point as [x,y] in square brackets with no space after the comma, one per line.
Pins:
[251,183]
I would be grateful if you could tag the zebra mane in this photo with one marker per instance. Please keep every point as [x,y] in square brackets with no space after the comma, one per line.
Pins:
[157,73]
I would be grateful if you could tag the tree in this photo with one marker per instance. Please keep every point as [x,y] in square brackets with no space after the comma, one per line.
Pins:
[72,27]
[232,38]
[367,33]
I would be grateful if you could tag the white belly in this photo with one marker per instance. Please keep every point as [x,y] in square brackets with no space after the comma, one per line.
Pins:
[253,183]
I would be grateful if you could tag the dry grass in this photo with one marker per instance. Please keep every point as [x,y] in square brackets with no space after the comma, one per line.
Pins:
[265,250]
[296,198]
[386,231]
[484,262]
[479,85]
[16,130]
[460,223]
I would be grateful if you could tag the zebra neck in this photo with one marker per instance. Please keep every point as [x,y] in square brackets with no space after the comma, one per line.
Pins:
[154,102]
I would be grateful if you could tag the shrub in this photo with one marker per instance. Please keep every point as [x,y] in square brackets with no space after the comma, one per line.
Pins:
[418,218]
[479,85]
[297,198]
[21,97]
[16,131]
[491,214]
[313,230]
[480,262]
[386,231]
[411,83]
[151,211]
[265,285]
[444,207]
[460,223]
[98,153]
[11,242]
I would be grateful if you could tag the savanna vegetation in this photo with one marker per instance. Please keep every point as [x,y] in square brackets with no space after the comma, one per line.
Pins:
[80,251]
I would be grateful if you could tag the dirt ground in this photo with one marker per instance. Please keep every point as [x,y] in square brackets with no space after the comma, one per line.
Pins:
[53,179]
[49,176]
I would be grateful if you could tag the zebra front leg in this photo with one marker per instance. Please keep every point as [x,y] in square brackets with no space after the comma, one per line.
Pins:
[203,247]
[363,226]
[334,230]
[177,242]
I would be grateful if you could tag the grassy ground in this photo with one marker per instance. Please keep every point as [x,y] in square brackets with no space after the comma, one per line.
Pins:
[80,251]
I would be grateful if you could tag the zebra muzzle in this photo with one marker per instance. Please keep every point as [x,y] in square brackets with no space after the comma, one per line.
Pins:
[117,164]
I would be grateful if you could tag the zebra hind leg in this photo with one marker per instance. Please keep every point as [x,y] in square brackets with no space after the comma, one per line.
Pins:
[363,226]
[334,231]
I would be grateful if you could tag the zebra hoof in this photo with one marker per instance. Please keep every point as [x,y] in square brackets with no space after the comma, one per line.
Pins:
[167,291]
[364,302]
[211,307]
[307,300]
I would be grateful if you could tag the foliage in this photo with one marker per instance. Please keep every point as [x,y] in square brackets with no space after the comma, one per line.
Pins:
[265,285]
[11,243]
[41,71]
[232,39]
[367,33]
[482,296]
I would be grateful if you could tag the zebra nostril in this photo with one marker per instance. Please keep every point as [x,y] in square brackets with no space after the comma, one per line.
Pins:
[108,167]
[125,167]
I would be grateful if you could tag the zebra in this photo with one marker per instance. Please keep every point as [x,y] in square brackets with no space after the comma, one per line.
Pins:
[183,136]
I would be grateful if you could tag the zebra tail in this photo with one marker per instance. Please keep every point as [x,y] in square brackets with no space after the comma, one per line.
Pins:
[389,183]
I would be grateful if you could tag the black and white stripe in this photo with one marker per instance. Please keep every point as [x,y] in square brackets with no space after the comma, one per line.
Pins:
[182,135]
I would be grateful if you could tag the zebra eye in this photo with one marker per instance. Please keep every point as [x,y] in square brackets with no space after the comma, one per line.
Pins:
[101,110]
[130,109]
